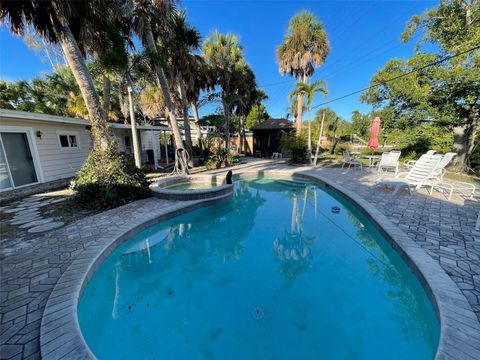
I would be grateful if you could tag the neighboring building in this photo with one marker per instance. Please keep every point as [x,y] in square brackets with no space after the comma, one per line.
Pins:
[266,136]
[37,148]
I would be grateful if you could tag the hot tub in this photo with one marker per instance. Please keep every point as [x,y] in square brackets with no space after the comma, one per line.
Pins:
[192,187]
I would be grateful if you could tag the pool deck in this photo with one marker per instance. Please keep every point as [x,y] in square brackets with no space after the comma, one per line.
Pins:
[444,229]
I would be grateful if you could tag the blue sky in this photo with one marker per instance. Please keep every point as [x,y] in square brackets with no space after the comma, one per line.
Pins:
[363,36]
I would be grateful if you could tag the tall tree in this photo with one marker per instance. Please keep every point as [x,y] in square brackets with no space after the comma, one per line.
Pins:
[202,79]
[181,45]
[308,91]
[62,22]
[305,47]
[152,16]
[447,94]
[257,115]
[225,56]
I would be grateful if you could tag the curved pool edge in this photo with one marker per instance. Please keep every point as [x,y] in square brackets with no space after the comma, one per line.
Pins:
[61,337]
[60,334]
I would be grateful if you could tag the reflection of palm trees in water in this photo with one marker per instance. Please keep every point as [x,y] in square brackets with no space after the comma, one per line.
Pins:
[293,248]
[232,221]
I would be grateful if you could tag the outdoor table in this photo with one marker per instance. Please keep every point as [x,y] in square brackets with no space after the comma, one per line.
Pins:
[372,159]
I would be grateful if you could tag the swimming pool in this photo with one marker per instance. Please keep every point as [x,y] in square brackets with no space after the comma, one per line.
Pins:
[273,274]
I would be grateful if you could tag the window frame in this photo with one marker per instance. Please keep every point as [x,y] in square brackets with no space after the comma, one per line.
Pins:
[68,134]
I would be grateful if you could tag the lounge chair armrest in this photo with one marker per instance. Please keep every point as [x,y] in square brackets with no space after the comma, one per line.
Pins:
[402,174]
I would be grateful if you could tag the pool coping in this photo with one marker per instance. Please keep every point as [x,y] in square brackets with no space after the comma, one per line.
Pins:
[61,337]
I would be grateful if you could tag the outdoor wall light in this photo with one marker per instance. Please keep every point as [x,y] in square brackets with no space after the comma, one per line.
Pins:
[39,134]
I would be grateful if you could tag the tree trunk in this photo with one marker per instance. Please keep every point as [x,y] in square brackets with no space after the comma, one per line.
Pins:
[463,144]
[74,58]
[149,43]
[186,120]
[299,113]
[107,88]
[136,145]
[319,143]
[227,123]
[197,123]
[243,139]
[309,145]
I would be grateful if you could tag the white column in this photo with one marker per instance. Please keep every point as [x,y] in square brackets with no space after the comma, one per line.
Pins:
[166,145]
[155,148]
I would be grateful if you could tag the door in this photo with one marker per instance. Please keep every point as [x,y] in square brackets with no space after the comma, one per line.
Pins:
[18,158]
[5,182]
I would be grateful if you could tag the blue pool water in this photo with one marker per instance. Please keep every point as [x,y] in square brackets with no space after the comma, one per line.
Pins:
[271,274]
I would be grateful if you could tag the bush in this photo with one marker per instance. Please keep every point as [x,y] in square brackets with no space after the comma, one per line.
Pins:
[108,179]
[295,146]
[417,140]
[210,164]
[219,155]
[378,151]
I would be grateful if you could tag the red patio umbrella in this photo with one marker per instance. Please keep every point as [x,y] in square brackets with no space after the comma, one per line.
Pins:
[373,142]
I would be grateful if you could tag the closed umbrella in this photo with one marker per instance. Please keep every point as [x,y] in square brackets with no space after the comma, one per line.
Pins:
[373,142]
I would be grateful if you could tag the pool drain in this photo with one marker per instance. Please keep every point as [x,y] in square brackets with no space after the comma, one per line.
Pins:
[257,314]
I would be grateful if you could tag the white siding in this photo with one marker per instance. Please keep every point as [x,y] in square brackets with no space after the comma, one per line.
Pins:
[146,139]
[56,163]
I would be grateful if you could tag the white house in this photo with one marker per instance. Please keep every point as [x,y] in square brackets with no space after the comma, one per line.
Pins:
[37,148]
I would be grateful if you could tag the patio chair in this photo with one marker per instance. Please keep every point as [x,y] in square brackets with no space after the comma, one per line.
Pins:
[348,160]
[409,163]
[464,188]
[422,174]
[446,159]
[389,161]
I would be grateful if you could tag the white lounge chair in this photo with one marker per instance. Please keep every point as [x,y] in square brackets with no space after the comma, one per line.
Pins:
[389,161]
[348,160]
[449,186]
[446,159]
[422,174]
[409,163]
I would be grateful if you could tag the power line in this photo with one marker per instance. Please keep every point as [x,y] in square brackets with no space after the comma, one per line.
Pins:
[354,22]
[399,76]
[396,20]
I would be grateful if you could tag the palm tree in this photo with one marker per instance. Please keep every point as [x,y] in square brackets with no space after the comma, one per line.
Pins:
[184,41]
[202,79]
[305,47]
[309,91]
[62,22]
[148,15]
[225,56]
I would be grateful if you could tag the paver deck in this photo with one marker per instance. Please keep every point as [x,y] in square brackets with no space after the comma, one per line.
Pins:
[28,275]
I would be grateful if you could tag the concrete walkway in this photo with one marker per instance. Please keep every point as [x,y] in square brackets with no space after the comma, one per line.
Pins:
[444,228]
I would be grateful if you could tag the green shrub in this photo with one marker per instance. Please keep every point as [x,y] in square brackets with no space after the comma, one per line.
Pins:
[219,155]
[210,164]
[108,179]
[295,146]
[417,140]
[378,151]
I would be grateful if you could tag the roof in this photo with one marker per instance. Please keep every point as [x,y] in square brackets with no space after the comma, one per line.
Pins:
[32,116]
[274,124]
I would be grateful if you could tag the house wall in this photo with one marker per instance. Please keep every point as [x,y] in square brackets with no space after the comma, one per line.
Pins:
[55,162]
[249,142]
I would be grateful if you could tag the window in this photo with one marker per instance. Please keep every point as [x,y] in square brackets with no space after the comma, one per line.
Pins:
[68,141]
